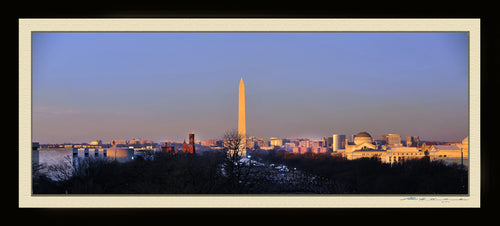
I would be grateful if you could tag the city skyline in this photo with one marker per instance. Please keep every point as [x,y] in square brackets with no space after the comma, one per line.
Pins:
[158,86]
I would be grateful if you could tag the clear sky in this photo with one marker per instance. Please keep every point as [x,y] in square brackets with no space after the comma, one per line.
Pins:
[159,86]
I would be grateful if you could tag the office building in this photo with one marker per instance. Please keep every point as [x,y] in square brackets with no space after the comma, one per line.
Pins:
[392,140]
[412,141]
[338,142]
[276,142]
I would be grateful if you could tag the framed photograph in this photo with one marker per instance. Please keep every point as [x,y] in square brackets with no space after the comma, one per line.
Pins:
[265,113]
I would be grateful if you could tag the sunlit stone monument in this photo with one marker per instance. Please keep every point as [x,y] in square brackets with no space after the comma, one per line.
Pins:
[241,119]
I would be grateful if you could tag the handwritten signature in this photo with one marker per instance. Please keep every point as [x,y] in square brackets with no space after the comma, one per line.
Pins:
[442,200]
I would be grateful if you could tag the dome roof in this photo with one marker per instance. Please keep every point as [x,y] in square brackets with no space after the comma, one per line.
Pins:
[362,138]
[363,134]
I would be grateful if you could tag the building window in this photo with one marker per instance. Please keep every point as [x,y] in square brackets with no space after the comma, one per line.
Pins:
[104,154]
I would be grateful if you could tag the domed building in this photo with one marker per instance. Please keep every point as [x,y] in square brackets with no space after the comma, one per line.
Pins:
[363,137]
[363,146]
[362,141]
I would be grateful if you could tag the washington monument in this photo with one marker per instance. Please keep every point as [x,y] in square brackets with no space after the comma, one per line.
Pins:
[242,130]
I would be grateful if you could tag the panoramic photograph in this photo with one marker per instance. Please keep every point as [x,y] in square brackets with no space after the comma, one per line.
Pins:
[217,113]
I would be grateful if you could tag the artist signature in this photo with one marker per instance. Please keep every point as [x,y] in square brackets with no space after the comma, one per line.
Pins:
[442,200]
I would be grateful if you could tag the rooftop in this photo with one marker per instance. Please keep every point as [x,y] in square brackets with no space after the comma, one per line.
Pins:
[363,134]
[446,148]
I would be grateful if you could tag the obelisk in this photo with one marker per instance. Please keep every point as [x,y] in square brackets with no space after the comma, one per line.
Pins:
[242,130]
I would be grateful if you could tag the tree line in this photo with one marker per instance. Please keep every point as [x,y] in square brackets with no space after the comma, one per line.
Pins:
[228,172]
[370,176]
[212,173]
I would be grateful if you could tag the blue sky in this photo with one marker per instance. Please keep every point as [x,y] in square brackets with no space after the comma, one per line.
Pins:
[158,86]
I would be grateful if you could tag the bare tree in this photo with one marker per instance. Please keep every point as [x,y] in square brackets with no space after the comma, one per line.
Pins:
[62,171]
[233,144]
[36,175]
[239,169]
[36,168]
[232,166]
